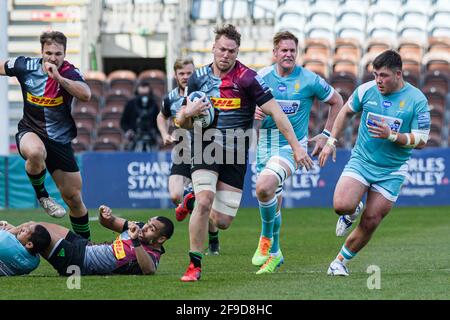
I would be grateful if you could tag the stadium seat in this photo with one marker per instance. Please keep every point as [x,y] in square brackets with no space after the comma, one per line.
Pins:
[366,62]
[409,47]
[436,99]
[351,22]
[439,44]
[437,118]
[110,133]
[205,10]
[317,64]
[96,81]
[235,9]
[264,9]
[345,94]
[105,144]
[344,81]
[319,31]
[109,123]
[378,45]
[94,103]
[345,31]
[85,125]
[157,79]
[124,86]
[122,81]
[411,62]
[345,63]
[85,113]
[81,143]
[291,21]
[437,61]
[112,112]
[367,76]
[348,46]
[412,77]
[436,79]
[116,100]
[434,140]
[321,47]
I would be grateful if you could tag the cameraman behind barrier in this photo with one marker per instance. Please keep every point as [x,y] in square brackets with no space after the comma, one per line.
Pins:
[139,120]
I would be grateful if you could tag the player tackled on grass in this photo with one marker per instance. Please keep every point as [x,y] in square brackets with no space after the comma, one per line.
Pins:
[219,163]
[395,119]
[20,247]
[294,88]
[47,128]
[137,249]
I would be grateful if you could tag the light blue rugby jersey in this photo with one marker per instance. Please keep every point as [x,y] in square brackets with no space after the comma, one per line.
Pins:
[295,95]
[14,258]
[404,110]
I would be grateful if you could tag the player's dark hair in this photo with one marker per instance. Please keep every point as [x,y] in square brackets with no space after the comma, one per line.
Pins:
[389,59]
[53,36]
[40,238]
[167,229]
[284,35]
[229,31]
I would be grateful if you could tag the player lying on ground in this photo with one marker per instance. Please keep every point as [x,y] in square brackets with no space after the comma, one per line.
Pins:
[137,250]
[20,247]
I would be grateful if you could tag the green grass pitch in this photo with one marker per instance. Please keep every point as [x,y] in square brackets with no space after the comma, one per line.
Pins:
[411,247]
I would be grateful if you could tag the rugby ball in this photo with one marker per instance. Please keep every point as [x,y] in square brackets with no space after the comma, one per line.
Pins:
[205,119]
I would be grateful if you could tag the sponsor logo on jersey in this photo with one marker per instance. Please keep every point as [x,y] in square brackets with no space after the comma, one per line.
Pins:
[423,120]
[297,86]
[45,101]
[393,123]
[119,252]
[289,107]
[282,87]
[226,103]
[387,104]
[372,103]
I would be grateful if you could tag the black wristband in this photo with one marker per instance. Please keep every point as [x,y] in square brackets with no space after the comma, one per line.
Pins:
[136,242]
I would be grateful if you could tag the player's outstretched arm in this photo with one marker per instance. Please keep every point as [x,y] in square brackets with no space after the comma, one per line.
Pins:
[108,220]
[143,258]
[338,127]
[272,109]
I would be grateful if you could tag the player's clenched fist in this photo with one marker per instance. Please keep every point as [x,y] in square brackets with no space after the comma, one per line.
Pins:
[133,230]
[105,212]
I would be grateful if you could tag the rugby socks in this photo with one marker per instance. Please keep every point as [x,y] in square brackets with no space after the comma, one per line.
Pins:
[267,210]
[81,226]
[37,181]
[213,236]
[196,259]
[276,234]
[345,255]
